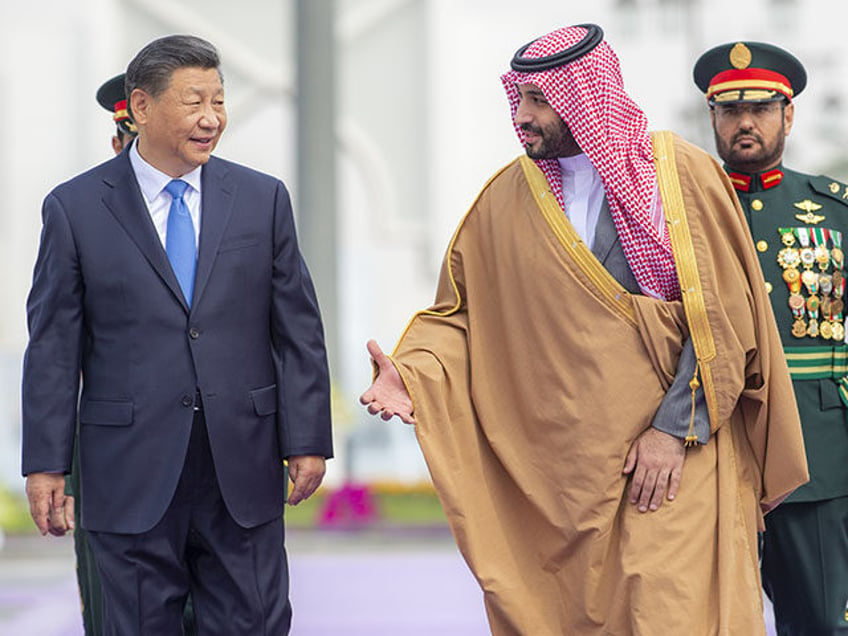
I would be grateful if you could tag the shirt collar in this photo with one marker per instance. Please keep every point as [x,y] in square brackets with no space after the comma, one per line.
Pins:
[152,180]
[576,164]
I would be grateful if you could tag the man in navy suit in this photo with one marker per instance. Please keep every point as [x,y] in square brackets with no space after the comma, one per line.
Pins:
[170,283]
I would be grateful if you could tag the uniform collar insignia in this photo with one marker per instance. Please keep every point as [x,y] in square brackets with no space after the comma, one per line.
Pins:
[771,178]
[756,182]
[742,182]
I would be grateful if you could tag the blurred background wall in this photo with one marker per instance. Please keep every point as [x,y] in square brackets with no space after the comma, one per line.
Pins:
[384,118]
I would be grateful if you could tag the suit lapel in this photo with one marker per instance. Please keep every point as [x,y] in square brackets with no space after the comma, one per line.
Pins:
[124,200]
[605,234]
[218,192]
[608,250]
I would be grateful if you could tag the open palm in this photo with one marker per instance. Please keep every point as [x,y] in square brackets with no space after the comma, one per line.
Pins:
[387,395]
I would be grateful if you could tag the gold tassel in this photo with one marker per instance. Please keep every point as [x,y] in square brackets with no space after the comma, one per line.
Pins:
[691,437]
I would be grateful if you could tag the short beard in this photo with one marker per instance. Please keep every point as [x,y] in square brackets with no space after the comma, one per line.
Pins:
[768,156]
[556,141]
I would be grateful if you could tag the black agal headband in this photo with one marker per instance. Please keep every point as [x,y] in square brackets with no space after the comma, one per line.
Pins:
[593,37]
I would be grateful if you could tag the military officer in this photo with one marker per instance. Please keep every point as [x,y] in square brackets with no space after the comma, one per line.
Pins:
[799,224]
[111,97]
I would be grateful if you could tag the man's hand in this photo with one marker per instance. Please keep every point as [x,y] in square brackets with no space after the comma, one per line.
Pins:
[306,473]
[51,510]
[656,462]
[387,395]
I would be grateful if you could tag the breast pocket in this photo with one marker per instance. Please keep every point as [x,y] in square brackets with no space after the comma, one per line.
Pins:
[238,243]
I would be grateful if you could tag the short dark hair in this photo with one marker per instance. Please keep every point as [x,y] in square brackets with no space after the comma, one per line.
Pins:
[152,67]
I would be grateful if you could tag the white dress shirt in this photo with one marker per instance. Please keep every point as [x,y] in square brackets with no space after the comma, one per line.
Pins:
[583,192]
[152,183]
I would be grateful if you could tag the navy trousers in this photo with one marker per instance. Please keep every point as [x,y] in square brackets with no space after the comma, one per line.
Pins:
[237,577]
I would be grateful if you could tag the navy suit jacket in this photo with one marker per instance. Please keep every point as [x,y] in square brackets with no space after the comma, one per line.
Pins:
[106,309]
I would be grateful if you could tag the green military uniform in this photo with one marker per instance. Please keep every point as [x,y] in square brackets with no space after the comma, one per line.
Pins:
[799,224]
[795,210]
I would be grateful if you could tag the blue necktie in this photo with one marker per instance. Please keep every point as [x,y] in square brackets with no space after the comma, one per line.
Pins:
[179,239]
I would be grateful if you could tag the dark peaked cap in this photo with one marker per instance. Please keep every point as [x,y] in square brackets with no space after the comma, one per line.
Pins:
[749,72]
[111,97]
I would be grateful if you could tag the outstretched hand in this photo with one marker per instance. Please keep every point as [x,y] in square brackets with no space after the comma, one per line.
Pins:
[387,395]
[656,463]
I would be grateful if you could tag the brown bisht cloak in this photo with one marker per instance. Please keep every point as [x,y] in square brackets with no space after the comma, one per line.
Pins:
[533,373]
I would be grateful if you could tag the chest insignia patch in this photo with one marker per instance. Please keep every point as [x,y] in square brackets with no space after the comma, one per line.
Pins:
[809,208]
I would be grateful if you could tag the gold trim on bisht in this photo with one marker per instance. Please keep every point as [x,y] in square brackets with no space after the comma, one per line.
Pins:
[687,270]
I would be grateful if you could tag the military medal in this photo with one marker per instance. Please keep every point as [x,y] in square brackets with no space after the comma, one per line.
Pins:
[836,251]
[797,305]
[808,256]
[837,256]
[787,236]
[826,306]
[822,254]
[788,257]
[792,278]
[813,328]
[826,286]
[813,311]
[813,304]
[838,331]
[810,280]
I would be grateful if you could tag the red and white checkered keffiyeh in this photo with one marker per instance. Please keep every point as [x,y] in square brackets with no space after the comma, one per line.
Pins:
[588,94]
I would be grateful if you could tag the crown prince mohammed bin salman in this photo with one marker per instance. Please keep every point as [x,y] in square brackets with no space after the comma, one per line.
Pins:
[598,388]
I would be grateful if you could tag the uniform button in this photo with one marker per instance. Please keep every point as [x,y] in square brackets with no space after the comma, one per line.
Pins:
[769,287]
[757,204]
[188,400]
[762,246]
[194,333]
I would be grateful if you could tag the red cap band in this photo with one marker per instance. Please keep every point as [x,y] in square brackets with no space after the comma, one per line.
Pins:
[121,111]
[746,78]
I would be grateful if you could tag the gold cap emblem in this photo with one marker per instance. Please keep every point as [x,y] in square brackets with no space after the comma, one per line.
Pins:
[740,56]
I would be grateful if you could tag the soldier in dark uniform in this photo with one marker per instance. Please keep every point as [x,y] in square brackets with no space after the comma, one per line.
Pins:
[799,224]
[111,97]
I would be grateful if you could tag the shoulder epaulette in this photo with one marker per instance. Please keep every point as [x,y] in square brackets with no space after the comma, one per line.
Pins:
[830,187]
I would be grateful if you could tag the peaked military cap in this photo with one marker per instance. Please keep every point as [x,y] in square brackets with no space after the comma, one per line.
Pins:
[749,72]
[111,97]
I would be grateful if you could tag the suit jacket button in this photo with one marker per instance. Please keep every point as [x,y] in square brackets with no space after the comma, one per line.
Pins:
[188,400]
[194,333]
